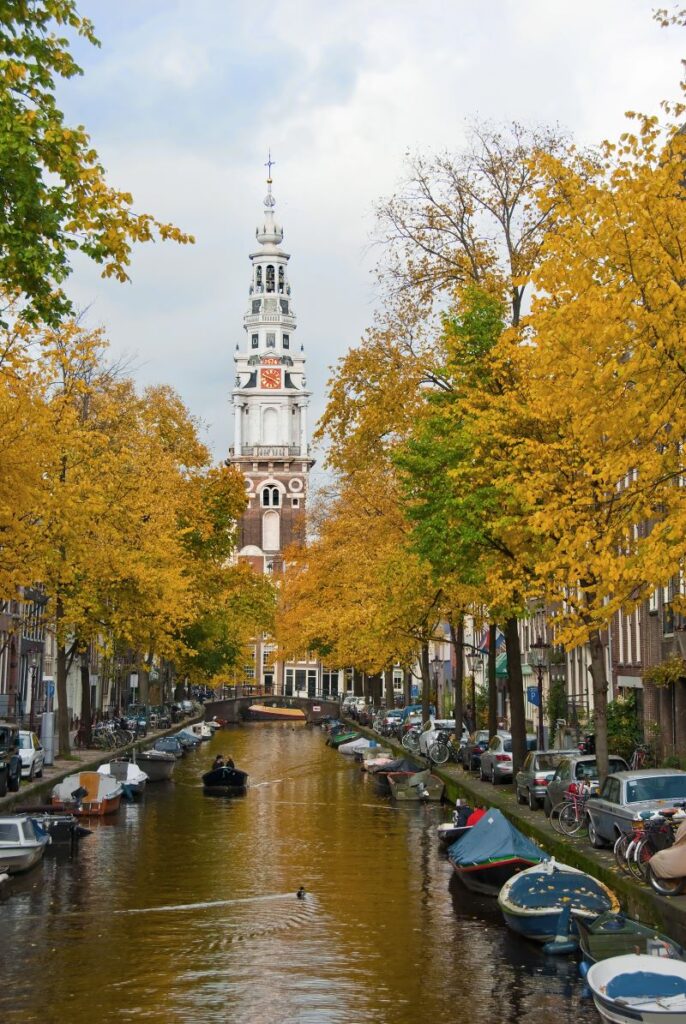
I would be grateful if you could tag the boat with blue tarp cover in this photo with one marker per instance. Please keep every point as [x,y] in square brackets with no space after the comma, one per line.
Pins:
[636,987]
[543,901]
[492,852]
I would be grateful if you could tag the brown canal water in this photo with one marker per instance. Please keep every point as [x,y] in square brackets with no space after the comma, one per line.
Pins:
[183,909]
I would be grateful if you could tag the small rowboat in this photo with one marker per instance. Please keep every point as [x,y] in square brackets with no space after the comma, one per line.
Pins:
[420,786]
[338,739]
[536,901]
[87,793]
[615,935]
[275,713]
[492,852]
[634,987]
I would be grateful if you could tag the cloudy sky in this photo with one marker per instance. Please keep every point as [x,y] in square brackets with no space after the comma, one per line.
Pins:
[184,98]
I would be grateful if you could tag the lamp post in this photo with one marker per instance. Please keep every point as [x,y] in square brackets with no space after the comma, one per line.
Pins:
[539,657]
[435,663]
[33,662]
[473,659]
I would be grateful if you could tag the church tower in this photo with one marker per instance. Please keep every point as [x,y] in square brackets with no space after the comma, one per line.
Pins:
[270,400]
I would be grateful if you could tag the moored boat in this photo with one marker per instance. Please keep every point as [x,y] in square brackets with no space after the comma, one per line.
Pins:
[613,934]
[635,987]
[63,829]
[87,793]
[169,745]
[336,740]
[202,730]
[360,744]
[128,774]
[275,713]
[22,844]
[158,765]
[492,852]
[544,901]
[419,786]
[225,781]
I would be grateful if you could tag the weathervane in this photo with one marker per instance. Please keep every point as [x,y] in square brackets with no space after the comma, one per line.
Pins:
[269,200]
[269,164]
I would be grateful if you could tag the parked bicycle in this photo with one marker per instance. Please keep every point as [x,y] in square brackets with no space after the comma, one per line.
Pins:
[442,749]
[569,816]
[642,757]
[411,739]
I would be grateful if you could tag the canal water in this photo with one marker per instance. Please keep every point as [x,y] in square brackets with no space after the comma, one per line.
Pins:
[183,909]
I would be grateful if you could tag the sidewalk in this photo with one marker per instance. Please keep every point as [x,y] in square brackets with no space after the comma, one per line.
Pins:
[39,790]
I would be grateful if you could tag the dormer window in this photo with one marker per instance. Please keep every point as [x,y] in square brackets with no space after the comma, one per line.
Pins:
[271,497]
[286,341]
[255,340]
[270,278]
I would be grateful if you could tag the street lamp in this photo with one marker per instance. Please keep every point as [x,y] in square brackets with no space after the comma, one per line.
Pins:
[436,662]
[539,657]
[33,662]
[473,660]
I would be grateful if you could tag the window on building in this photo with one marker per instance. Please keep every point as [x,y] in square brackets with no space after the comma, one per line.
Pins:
[286,341]
[295,502]
[289,682]
[271,497]
[256,303]
[271,339]
[270,278]
[281,280]
[255,340]
[284,305]
[258,276]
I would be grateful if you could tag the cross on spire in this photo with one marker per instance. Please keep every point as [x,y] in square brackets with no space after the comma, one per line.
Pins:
[269,164]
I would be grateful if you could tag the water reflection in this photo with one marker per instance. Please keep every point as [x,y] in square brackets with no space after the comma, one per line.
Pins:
[185,910]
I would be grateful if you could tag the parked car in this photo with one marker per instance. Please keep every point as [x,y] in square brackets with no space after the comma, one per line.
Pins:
[474,748]
[531,781]
[10,761]
[625,795]
[496,760]
[31,753]
[576,767]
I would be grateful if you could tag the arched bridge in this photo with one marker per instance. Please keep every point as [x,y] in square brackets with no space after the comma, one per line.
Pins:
[234,708]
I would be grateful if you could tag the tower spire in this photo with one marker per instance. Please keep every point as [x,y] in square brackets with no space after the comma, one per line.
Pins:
[269,200]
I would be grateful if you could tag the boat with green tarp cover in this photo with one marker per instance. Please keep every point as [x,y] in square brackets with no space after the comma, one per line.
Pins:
[492,852]
[616,934]
[336,739]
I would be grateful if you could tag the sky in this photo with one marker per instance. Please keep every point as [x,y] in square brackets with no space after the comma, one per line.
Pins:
[184,99]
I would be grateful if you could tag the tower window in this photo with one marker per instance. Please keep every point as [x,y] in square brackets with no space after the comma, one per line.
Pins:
[284,305]
[281,280]
[256,303]
[295,502]
[255,340]
[258,276]
[286,341]
[270,278]
[271,339]
[271,497]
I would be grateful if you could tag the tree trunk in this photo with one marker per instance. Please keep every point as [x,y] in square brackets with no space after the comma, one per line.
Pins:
[407,687]
[388,687]
[86,710]
[61,685]
[357,683]
[492,681]
[599,677]
[457,637]
[426,683]
[514,674]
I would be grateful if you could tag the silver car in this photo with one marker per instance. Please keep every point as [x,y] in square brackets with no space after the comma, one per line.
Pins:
[496,760]
[625,794]
[576,767]
[531,781]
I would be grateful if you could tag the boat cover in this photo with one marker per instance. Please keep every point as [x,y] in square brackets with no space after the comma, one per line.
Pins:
[493,838]
[535,889]
[645,985]
[401,764]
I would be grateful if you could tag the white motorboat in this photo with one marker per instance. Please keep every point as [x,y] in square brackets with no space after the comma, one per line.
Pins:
[158,765]
[129,774]
[201,730]
[87,793]
[638,987]
[361,743]
[21,844]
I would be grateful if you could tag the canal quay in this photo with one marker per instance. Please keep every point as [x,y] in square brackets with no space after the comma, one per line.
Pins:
[182,908]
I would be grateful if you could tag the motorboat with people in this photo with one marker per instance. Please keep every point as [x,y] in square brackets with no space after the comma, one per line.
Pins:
[639,988]
[22,843]
[544,901]
[225,781]
[130,775]
[88,794]
[158,765]
[492,852]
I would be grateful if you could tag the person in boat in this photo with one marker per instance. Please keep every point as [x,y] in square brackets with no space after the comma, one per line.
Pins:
[301,893]
[218,762]
[476,815]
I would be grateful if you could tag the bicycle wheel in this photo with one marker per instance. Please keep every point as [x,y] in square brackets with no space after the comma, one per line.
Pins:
[438,753]
[555,814]
[411,742]
[643,851]
[571,820]
[666,886]
[620,849]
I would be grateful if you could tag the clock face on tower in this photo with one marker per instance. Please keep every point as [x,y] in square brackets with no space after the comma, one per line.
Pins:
[270,378]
